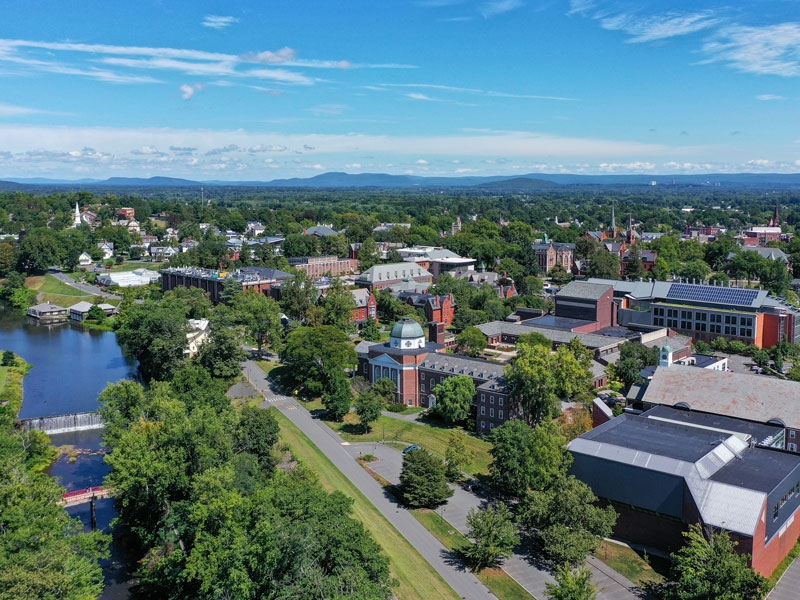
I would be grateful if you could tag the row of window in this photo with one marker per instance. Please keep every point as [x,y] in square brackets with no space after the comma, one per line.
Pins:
[745,332]
[491,412]
[483,425]
[702,316]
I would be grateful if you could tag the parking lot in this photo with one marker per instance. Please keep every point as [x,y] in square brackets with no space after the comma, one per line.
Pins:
[743,364]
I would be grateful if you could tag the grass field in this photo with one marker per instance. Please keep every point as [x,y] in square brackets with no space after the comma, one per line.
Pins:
[640,568]
[3,377]
[430,437]
[497,580]
[49,285]
[416,578]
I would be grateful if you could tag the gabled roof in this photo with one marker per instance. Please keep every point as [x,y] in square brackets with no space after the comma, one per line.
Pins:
[320,230]
[391,272]
[361,296]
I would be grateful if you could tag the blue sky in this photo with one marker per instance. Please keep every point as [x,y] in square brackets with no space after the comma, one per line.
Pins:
[268,89]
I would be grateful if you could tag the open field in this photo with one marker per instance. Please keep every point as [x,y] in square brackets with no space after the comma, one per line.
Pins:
[637,566]
[431,437]
[416,578]
[48,284]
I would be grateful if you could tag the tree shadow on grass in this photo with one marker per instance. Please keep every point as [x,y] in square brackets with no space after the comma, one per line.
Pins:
[455,558]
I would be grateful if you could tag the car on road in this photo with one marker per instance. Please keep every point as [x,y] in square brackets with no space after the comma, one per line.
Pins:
[410,448]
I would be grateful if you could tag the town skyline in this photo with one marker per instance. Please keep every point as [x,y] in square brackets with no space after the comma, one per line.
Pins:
[211,91]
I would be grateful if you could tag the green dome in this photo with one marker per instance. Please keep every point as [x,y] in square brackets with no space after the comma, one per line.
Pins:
[407,329]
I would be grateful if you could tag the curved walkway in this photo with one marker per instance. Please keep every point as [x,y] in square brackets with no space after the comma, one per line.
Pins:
[463,582]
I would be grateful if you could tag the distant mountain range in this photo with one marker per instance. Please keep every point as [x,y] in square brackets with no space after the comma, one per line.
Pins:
[519,183]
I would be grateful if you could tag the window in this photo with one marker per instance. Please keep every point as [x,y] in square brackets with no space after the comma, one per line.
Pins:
[658,322]
[792,433]
[421,387]
[672,323]
[685,314]
[491,399]
[483,411]
[483,424]
[422,375]
[700,316]
[483,397]
[500,414]
[366,368]
[500,401]
[491,412]
[730,319]
[686,324]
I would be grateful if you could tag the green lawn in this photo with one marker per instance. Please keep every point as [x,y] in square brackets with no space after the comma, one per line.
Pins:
[3,376]
[637,566]
[497,580]
[416,578]
[51,286]
[431,437]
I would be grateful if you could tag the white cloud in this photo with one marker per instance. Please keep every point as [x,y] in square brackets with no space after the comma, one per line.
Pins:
[421,161]
[278,57]
[218,22]
[768,97]
[188,91]
[493,8]
[10,110]
[768,50]
[635,167]
[424,97]
[657,27]
[353,166]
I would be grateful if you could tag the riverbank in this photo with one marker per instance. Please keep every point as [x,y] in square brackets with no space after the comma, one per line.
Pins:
[11,378]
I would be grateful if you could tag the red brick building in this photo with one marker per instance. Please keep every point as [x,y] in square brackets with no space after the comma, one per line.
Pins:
[366,306]
[319,266]
[440,309]
[213,282]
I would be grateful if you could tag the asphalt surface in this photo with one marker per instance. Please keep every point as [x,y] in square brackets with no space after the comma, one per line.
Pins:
[84,287]
[464,583]
[788,585]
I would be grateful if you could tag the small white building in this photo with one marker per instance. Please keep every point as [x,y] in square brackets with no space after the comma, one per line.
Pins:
[85,260]
[197,336]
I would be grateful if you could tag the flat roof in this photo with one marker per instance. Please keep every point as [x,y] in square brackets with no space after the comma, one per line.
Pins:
[760,399]
[758,469]
[554,322]
[663,438]
[759,431]
[583,290]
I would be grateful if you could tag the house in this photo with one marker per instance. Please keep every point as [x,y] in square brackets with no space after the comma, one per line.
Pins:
[768,253]
[126,212]
[440,309]
[378,277]
[502,285]
[79,312]
[366,306]
[107,248]
[663,472]
[648,259]
[254,229]
[162,253]
[759,399]
[85,260]
[706,312]
[47,312]
[320,231]
[196,337]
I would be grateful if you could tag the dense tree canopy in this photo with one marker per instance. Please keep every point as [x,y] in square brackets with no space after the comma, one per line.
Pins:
[423,480]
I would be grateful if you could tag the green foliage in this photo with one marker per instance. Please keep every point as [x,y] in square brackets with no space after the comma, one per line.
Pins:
[494,535]
[338,395]
[96,314]
[256,434]
[298,295]
[454,398]
[371,331]
[261,317]
[559,275]
[339,304]
[603,265]
[222,354]
[312,353]
[571,584]
[709,567]
[457,456]
[155,335]
[525,458]
[386,389]
[532,383]
[423,481]
[369,406]
[470,341]
[9,358]
[567,519]
[369,254]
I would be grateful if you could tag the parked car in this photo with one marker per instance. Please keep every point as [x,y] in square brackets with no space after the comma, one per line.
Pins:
[410,448]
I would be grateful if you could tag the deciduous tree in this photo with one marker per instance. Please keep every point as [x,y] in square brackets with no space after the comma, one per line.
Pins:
[454,398]
[471,341]
[494,536]
[368,407]
[338,395]
[571,584]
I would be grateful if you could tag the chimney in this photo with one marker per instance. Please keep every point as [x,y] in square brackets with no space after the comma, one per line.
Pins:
[436,332]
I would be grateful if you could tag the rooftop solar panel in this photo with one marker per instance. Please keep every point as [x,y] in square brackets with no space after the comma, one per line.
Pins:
[714,295]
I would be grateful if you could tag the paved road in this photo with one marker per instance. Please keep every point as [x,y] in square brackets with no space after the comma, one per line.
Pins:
[533,578]
[463,582]
[84,287]
[788,585]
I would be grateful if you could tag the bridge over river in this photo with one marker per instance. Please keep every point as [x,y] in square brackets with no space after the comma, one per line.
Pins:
[76,497]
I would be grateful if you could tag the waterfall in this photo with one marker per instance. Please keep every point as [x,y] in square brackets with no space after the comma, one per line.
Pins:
[64,423]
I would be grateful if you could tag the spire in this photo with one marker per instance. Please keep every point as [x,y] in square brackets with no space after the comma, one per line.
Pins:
[613,222]
[76,219]
[631,237]
[776,220]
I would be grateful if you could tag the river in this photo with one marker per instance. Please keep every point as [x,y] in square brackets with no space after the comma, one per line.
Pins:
[70,369]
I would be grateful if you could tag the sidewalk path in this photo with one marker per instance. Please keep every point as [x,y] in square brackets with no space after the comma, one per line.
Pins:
[788,584]
[463,582]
